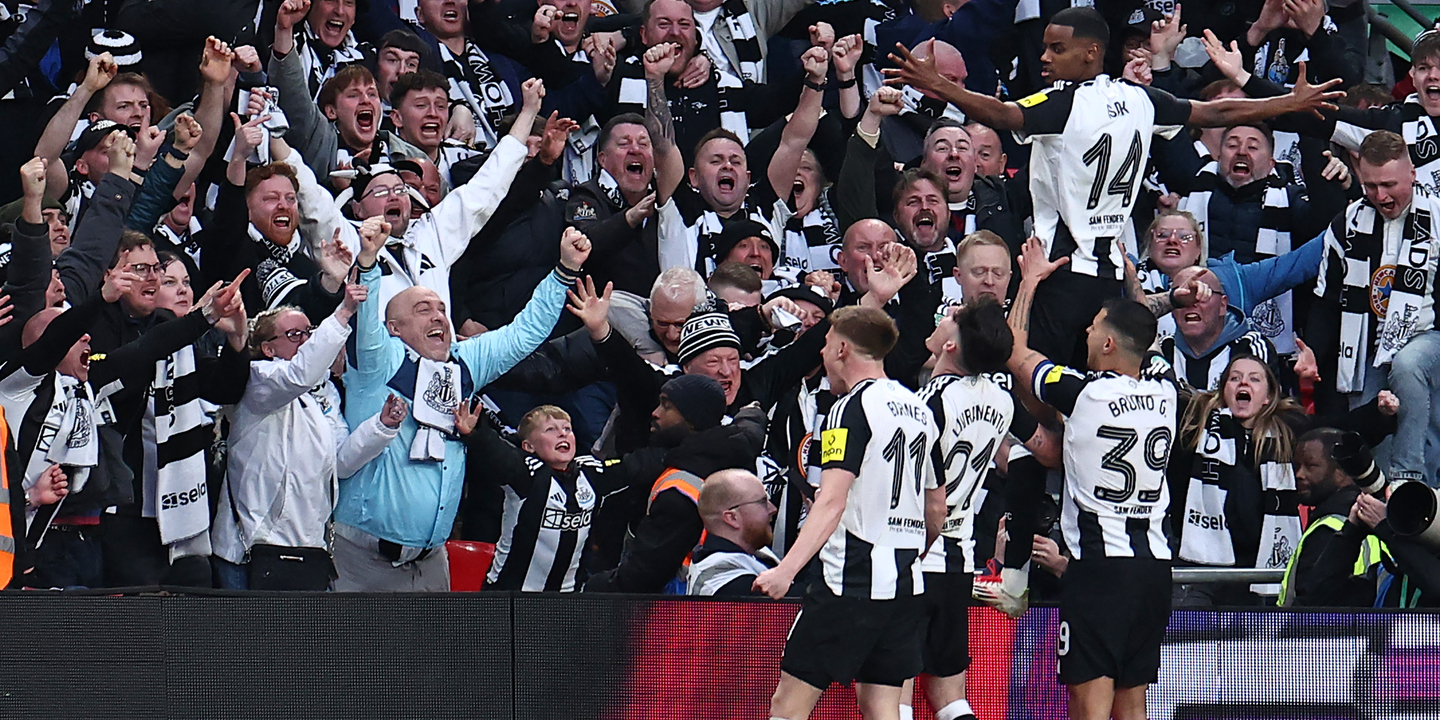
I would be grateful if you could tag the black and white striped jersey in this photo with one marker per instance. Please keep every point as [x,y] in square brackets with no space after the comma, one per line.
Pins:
[884,434]
[1118,431]
[1089,145]
[974,415]
[546,522]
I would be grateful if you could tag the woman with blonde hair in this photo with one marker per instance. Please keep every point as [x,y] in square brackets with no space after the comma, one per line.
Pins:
[1232,483]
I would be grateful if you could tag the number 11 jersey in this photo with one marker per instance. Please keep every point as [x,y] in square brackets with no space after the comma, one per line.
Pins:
[1090,143]
[1118,431]
[885,435]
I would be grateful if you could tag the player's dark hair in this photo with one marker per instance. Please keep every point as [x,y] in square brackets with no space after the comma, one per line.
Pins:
[614,122]
[1086,22]
[1381,147]
[1132,322]
[913,176]
[736,275]
[870,330]
[718,133]
[985,337]
[419,80]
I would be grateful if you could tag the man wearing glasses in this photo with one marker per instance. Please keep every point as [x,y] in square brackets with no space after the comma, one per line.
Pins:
[737,513]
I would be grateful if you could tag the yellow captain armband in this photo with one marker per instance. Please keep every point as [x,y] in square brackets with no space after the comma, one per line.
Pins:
[1053,374]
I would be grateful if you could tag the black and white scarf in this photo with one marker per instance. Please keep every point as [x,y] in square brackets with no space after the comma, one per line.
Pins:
[1274,318]
[182,433]
[1358,240]
[813,240]
[434,390]
[746,39]
[474,80]
[634,96]
[919,103]
[272,273]
[1226,459]
[320,62]
[579,164]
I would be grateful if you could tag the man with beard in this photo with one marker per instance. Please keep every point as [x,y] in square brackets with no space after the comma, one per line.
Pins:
[737,513]
[618,206]
[256,225]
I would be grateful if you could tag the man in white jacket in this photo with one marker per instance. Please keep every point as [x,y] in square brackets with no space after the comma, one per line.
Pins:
[420,251]
[289,446]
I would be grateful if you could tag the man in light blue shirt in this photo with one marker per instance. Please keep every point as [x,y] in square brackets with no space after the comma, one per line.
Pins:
[394,515]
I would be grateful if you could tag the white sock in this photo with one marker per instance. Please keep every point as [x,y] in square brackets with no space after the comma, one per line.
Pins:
[955,710]
[907,712]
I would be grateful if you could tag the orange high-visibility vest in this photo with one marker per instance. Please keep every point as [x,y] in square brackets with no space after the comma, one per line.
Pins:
[689,485]
[7,527]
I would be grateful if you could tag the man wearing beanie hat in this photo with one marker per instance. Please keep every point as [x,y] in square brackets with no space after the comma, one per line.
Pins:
[124,49]
[748,243]
[698,400]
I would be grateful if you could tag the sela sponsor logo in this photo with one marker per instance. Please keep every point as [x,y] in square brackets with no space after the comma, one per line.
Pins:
[1206,522]
[561,520]
[170,501]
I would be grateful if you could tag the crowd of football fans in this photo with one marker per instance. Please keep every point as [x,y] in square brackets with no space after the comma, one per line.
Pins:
[296,291]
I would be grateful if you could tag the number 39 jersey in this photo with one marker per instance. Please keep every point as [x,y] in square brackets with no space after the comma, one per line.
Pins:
[884,434]
[1118,431]
[974,414]
[1091,143]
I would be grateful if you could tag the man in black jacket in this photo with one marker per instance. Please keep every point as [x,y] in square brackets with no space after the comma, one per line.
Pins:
[617,208]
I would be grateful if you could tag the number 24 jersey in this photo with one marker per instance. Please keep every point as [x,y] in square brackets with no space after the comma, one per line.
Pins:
[1118,431]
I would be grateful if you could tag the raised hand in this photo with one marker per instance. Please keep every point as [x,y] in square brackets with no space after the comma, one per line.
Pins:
[895,265]
[248,135]
[602,61]
[356,293]
[826,281]
[532,91]
[120,149]
[335,262]
[574,249]
[187,132]
[259,97]
[816,62]
[1166,34]
[822,35]
[247,58]
[556,134]
[216,62]
[1314,98]
[1306,368]
[32,177]
[1036,266]
[659,59]
[643,209]
[118,281]
[1336,170]
[886,101]
[374,232]
[1137,70]
[1368,509]
[919,74]
[544,20]
[1229,62]
[461,127]
[467,416]
[1305,15]
[845,55]
[101,71]
[1193,292]
[291,12]
[395,411]
[593,309]
[147,144]
[696,72]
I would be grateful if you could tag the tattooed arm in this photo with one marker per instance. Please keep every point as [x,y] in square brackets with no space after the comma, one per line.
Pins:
[669,165]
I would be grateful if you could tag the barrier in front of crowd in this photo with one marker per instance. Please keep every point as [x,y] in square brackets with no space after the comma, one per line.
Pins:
[512,657]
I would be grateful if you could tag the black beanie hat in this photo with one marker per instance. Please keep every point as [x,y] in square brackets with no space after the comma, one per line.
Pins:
[700,400]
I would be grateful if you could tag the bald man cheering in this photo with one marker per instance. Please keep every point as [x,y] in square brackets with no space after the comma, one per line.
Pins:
[395,514]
